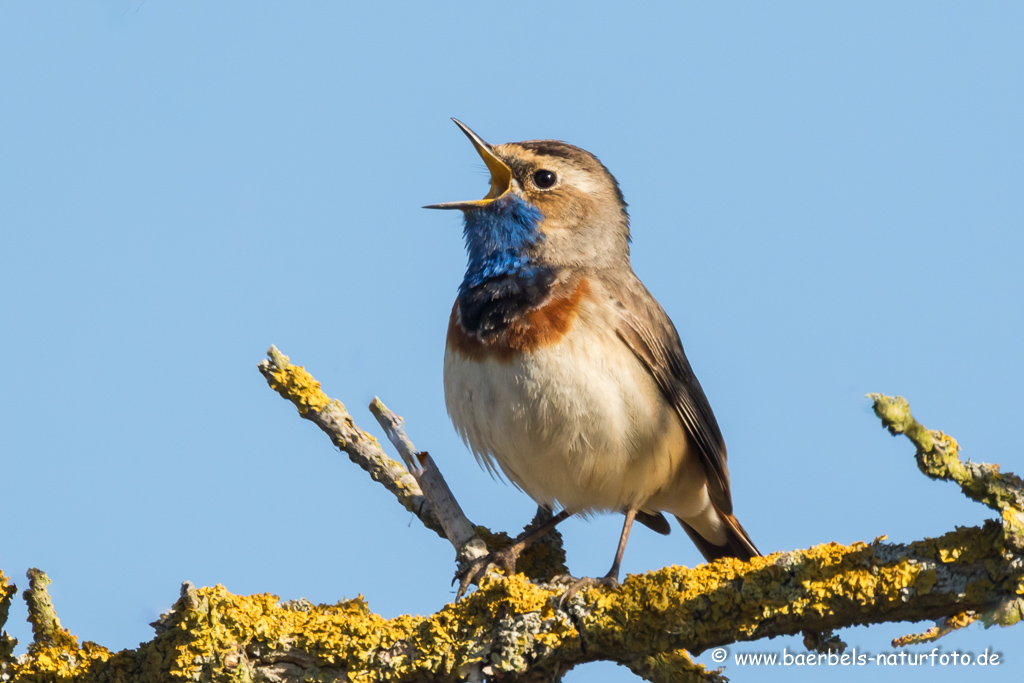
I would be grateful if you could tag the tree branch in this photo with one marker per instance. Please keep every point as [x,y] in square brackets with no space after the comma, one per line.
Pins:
[420,489]
[512,629]
[457,528]
[937,456]
[331,416]
[7,642]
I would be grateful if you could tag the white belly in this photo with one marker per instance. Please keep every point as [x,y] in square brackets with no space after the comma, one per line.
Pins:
[578,424]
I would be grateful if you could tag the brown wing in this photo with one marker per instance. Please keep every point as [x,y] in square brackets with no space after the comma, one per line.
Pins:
[646,329]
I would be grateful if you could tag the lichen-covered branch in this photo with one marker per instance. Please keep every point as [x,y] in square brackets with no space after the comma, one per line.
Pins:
[54,653]
[420,489]
[514,629]
[938,457]
[942,627]
[46,628]
[330,415]
[7,642]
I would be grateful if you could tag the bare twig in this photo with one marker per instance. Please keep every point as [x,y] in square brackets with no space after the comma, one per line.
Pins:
[457,527]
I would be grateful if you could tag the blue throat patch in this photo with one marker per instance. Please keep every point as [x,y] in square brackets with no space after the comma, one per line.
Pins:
[498,239]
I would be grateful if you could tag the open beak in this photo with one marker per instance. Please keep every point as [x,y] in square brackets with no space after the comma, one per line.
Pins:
[501,174]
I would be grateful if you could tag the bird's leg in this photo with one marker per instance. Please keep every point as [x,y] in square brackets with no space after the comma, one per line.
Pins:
[613,573]
[506,557]
[611,579]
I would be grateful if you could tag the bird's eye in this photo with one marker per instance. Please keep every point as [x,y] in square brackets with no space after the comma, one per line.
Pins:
[544,179]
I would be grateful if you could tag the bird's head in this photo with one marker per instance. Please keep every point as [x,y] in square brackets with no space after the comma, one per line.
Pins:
[549,204]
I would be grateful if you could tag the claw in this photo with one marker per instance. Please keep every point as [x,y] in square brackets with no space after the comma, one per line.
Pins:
[469,575]
[504,559]
[586,582]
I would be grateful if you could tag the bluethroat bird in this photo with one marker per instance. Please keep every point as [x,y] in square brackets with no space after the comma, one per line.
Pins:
[562,370]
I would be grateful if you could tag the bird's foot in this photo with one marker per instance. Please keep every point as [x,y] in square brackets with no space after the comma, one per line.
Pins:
[504,559]
[576,585]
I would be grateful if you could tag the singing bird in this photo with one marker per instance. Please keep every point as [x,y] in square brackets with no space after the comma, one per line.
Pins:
[562,370]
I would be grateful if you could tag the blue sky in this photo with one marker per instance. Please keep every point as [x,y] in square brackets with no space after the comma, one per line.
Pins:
[826,198]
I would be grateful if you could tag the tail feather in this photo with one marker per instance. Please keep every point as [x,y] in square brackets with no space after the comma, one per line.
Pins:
[737,545]
[654,521]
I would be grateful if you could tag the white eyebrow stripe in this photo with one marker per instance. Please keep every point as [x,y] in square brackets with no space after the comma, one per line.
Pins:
[585,182]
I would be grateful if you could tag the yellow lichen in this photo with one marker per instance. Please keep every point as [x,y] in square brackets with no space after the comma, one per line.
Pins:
[298,386]
[211,628]
[508,623]
[515,593]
